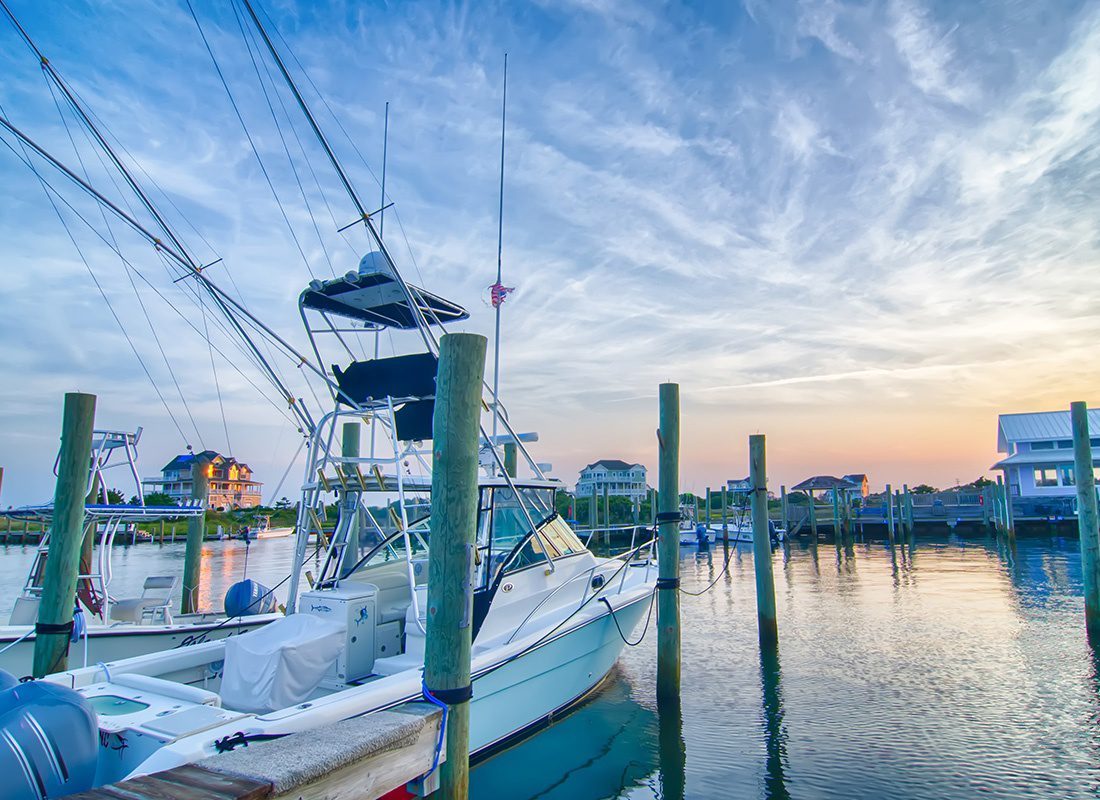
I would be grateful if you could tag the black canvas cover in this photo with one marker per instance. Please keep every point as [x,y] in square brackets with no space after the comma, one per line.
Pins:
[414,421]
[400,377]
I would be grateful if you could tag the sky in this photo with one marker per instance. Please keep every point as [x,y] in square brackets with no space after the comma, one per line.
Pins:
[862,229]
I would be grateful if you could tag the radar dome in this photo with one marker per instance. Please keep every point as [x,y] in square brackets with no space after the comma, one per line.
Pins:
[374,263]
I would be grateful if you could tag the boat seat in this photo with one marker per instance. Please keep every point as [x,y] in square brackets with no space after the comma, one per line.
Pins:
[164,688]
[155,602]
[414,640]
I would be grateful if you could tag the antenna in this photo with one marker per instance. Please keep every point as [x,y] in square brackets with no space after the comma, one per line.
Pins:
[498,289]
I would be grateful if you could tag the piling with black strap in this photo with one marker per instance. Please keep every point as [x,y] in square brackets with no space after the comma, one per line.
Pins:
[761,543]
[668,545]
[196,529]
[55,609]
[451,557]
[1088,522]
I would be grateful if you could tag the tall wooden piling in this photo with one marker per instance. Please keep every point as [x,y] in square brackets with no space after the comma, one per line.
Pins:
[1088,522]
[706,506]
[607,513]
[594,507]
[668,545]
[762,544]
[725,520]
[907,508]
[998,506]
[196,529]
[55,610]
[451,558]
[510,459]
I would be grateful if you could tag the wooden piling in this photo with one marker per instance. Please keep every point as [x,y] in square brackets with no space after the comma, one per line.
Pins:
[196,531]
[668,546]
[813,515]
[55,609]
[836,514]
[761,544]
[451,558]
[706,507]
[888,500]
[1010,524]
[510,459]
[783,507]
[1087,518]
[594,507]
[998,506]
[607,515]
[725,520]
[907,508]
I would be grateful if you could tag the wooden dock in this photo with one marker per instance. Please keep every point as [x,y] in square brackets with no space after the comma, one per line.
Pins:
[357,759]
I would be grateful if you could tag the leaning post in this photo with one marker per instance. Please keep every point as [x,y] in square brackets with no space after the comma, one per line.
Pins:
[668,545]
[455,437]
[1087,519]
[761,544]
[55,611]
[196,528]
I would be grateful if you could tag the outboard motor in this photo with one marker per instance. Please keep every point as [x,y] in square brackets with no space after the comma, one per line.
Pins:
[701,537]
[247,598]
[49,740]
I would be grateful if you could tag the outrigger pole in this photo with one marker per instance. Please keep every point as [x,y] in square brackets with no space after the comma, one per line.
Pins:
[498,301]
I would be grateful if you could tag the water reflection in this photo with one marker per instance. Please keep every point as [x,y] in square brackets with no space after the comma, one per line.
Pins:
[602,749]
[672,750]
[775,734]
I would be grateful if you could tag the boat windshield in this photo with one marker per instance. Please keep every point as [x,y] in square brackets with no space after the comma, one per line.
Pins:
[504,540]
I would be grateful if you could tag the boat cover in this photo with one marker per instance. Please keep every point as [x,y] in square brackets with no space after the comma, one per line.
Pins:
[280,664]
[374,295]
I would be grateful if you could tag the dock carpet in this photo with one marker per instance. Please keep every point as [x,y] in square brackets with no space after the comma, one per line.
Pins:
[294,762]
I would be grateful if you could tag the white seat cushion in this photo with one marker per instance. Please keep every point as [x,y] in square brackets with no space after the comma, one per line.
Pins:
[177,691]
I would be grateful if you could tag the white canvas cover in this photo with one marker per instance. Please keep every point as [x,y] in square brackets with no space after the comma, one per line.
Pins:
[280,664]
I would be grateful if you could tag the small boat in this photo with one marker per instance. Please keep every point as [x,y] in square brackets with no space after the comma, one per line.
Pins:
[263,530]
[108,628]
[736,532]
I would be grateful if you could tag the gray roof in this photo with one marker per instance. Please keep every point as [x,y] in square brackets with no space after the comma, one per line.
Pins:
[823,482]
[612,463]
[856,477]
[1038,426]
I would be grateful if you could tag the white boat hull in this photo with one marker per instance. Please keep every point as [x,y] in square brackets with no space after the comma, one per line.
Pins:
[114,643]
[738,534]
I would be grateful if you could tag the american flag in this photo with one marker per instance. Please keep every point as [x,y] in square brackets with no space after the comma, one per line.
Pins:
[497,293]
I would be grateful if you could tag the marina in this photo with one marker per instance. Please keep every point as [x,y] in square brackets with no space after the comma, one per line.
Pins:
[297,505]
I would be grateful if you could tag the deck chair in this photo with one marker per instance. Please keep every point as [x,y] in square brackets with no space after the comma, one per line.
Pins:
[155,603]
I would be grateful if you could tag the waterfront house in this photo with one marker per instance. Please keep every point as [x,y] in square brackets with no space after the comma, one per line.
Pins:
[739,485]
[230,481]
[1038,448]
[622,479]
[824,483]
[859,481]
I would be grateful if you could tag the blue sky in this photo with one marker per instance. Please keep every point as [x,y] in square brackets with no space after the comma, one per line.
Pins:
[863,229]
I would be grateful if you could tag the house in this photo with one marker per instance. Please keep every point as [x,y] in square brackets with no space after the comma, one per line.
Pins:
[859,481]
[621,479]
[230,480]
[739,486]
[1039,452]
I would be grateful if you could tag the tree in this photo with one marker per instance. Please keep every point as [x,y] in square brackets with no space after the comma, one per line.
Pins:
[115,497]
[282,504]
[982,482]
[158,499]
[924,488]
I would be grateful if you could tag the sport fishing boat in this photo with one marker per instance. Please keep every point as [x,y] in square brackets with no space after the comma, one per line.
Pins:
[549,617]
[107,627]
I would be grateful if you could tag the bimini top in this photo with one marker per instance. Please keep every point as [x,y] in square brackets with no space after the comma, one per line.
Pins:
[373,294]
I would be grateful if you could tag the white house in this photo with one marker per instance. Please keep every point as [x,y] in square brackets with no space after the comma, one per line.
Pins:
[1039,452]
[620,478]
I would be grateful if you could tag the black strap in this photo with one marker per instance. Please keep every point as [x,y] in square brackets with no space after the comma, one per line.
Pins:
[51,627]
[453,697]
[668,583]
[227,744]
[668,516]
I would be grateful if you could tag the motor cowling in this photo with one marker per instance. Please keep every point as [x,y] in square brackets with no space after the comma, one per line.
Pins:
[50,741]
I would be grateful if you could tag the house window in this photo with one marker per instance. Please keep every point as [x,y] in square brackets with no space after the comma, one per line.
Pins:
[1094,442]
[1042,445]
[1065,474]
[1046,476]
[1065,444]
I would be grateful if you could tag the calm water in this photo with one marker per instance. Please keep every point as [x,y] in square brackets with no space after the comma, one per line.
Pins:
[954,669]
